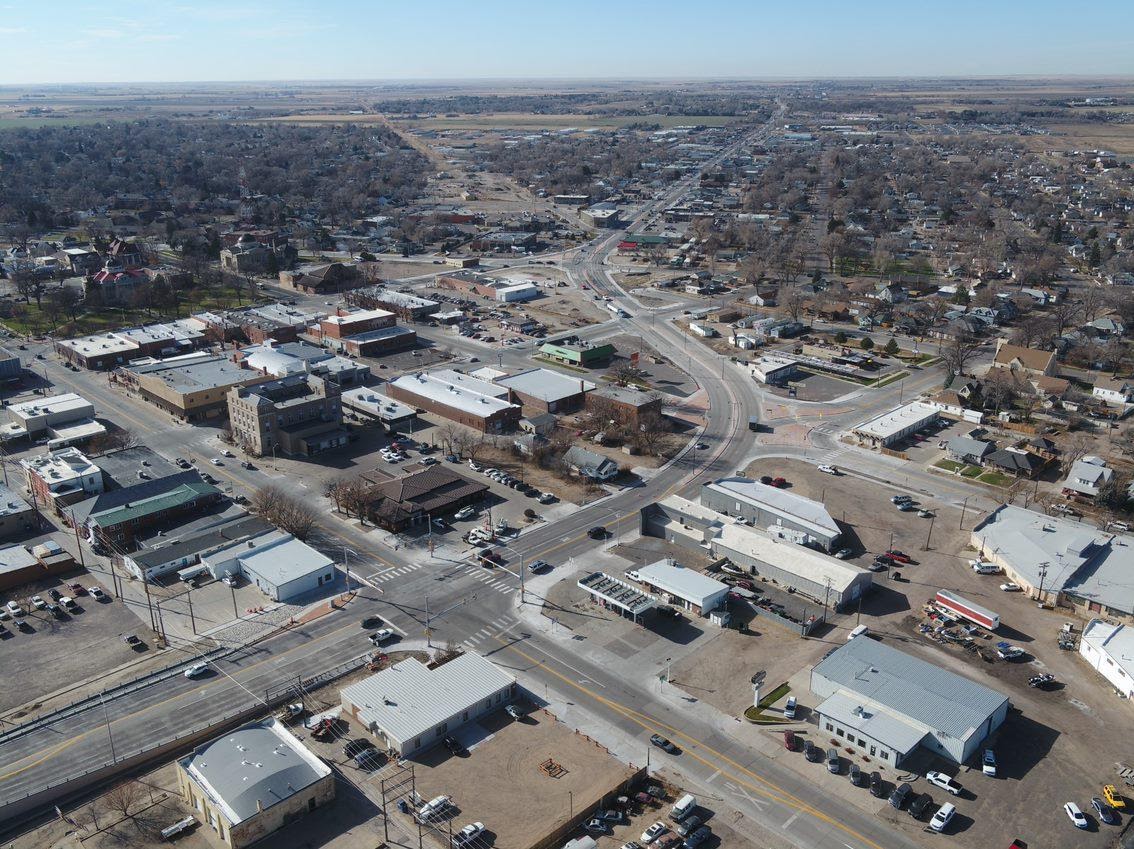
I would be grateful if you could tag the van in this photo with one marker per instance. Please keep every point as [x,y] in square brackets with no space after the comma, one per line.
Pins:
[789,708]
[433,807]
[857,631]
[941,819]
[683,807]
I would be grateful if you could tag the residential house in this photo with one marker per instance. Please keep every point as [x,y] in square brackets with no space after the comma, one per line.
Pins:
[1029,361]
[965,449]
[1016,462]
[1087,477]
[1114,390]
[590,465]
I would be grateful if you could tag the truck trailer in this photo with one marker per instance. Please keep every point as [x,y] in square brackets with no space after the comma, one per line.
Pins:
[968,610]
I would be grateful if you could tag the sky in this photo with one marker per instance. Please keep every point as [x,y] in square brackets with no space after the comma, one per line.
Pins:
[67,41]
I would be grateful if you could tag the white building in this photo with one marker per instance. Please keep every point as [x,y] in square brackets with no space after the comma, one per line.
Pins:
[64,419]
[764,505]
[895,425]
[410,707]
[252,782]
[1110,650]
[697,593]
[1087,476]
[774,371]
[280,565]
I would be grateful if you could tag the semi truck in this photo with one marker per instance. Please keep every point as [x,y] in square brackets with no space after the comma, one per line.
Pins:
[968,610]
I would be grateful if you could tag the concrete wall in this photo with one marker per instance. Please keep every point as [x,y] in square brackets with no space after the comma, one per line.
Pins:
[759,516]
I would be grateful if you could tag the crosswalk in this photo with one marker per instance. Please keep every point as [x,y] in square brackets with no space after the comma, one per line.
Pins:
[497,627]
[393,572]
[493,579]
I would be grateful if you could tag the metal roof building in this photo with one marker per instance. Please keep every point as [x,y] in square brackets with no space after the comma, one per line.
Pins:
[1065,561]
[890,427]
[1110,650]
[764,505]
[888,703]
[253,781]
[410,707]
[698,593]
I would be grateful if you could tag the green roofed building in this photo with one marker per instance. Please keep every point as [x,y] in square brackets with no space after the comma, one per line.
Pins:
[575,352]
[117,518]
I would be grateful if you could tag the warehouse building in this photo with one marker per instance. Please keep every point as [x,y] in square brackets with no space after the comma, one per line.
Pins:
[352,322]
[1061,561]
[1109,648]
[498,288]
[411,707]
[375,343]
[692,590]
[65,419]
[408,307]
[774,371]
[768,506]
[888,704]
[252,782]
[16,515]
[884,430]
[175,552]
[630,407]
[458,397]
[545,391]
[281,566]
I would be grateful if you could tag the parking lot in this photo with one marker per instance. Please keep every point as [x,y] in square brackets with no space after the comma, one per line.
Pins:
[58,652]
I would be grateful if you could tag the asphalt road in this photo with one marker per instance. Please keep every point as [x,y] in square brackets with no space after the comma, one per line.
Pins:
[456,601]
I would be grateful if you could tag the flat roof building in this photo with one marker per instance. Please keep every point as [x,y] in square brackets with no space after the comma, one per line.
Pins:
[766,506]
[474,403]
[575,352]
[1061,561]
[253,781]
[1109,648]
[281,566]
[888,428]
[696,592]
[300,415]
[371,405]
[887,704]
[617,594]
[774,371]
[60,478]
[16,515]
[546,391]
[117,518]
[192,390]
[408,307]
[37,416]
[411,707]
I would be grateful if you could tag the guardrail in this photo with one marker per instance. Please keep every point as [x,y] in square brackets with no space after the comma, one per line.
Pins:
[96,699]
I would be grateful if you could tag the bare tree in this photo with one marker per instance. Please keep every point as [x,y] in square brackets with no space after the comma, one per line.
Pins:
[448,434]
[285,511]
[122,798]
[958,351]
[1074,450]
[791,299]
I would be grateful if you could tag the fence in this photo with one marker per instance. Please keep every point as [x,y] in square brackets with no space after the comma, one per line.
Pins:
[97,699]
[805,627]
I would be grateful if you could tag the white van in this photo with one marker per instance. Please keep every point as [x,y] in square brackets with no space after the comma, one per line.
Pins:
[941,819]
[683,807]
[857,631]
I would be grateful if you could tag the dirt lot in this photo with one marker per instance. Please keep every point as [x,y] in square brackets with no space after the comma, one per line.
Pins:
[572,489]
[49,657]
[500,782]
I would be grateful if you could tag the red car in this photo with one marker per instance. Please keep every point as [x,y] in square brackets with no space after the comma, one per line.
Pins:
[900,556]
[78,589]
[779,483]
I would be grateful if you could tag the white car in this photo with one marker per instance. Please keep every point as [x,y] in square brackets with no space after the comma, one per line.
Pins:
[381,636]
[1011,587]
[217,461]
[469,833]
[96,593]
[829,470]
[1075,815]
[14,609]
[464,513]
[38,603]
[654,832]
[196,670]
[941,819]
[983,567]
[940,779]
[546,498]
[476,467]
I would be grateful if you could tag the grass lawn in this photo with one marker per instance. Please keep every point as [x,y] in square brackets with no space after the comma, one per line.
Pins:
[949,465]
[970,471]
[995,479]
[33,321]
[755,713]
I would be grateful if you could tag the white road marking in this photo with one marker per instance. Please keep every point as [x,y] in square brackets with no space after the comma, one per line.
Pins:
[712,777]
[790,820]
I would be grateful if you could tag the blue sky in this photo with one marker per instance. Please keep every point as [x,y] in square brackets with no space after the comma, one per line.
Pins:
[121,40]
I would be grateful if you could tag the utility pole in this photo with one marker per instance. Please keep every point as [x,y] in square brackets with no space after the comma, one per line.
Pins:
[106,719]
[928,533]
[960,525]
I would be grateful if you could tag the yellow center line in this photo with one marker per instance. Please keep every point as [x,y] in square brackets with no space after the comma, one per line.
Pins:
[770,790]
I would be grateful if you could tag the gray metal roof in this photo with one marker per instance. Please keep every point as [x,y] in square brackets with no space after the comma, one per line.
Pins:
[797,508]
[409,699]
[545,384]
[1079,558]
[260,762]
[684,583]
[872,721]
[911,689]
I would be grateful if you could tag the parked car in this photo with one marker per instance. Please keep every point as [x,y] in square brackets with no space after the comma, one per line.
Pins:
[1104,812]
[14,609]
[790,707]
[943,817]
[857,776]
[877,785]
[453,744]
[515,711]
[468,834]
[790,741]
[1078,819]
[988,763]
[1113,798]
[696,838]
[1008,652]
[945,782]
[688,826]
[353,748]
[899,796]
[900,499]
[654,832]
[539,565]
[844,553]
[907,507]
[919,805]
[1011,587]
[834,762]
[899,556]
[465,513]
[779,483]
[38,603]
[96,592]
